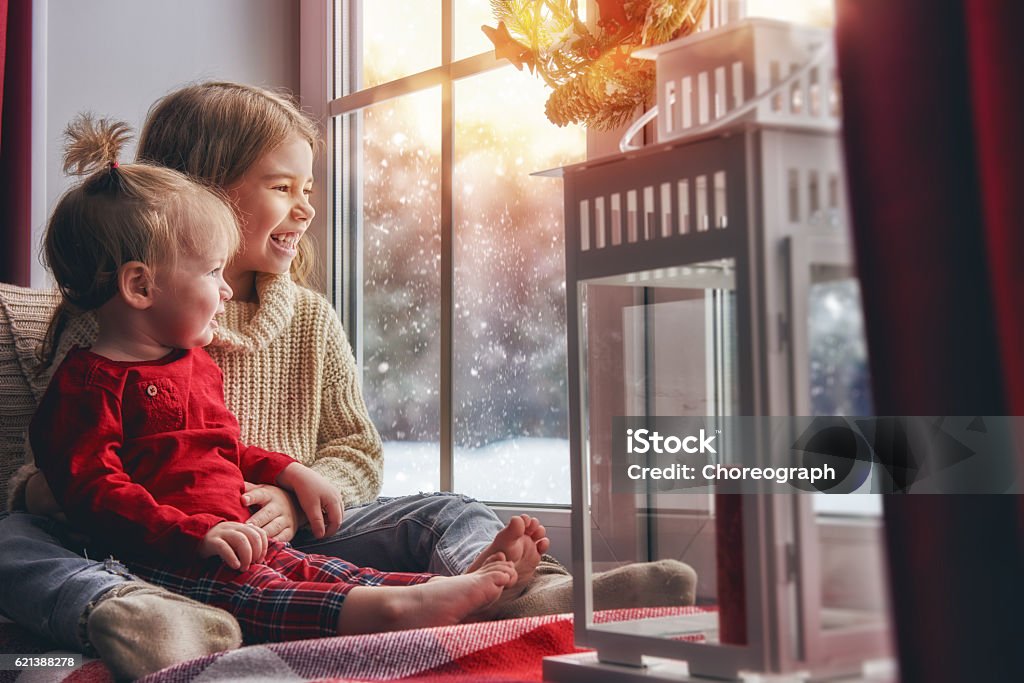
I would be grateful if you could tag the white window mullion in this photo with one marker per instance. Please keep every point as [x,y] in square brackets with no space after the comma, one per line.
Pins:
[447,252]
[316,77]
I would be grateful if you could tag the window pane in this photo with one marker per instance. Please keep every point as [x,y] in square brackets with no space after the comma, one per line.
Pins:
[401,185]
[510,395]
[399,38]
[470,15]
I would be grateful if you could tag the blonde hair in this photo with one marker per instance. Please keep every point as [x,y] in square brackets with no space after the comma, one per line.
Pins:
[215,131]
[121,213]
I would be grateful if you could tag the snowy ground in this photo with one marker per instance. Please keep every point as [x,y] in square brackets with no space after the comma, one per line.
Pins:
[524,470]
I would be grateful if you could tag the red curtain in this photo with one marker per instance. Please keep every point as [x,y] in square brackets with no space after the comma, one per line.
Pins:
[932,106]
[996,57]
[15,141]
[3,52]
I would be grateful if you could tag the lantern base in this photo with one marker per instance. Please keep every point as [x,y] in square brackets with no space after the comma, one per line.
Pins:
[584,667]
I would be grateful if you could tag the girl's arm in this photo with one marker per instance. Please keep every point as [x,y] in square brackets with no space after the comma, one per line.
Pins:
[349,452]
[75,437]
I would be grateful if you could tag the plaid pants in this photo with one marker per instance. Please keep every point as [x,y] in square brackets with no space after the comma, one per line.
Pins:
[291,595]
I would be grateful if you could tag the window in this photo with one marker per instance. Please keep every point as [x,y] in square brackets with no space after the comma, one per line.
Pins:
[449,265]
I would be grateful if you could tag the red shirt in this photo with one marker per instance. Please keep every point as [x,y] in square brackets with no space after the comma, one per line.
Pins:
[145,456]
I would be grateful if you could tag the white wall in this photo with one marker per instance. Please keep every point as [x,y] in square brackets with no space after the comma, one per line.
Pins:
[115,57]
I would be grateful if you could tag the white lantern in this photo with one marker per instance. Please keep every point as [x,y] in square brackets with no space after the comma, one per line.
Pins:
[694,269]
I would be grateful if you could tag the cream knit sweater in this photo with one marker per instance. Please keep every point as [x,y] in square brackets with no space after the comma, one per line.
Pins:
[290,378]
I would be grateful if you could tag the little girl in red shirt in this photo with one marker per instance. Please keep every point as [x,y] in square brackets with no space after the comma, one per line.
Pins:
[137,444]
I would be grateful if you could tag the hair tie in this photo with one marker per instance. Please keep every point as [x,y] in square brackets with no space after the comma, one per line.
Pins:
[114,164]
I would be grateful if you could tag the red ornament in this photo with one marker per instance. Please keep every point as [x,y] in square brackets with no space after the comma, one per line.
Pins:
[593,52]
[613,10]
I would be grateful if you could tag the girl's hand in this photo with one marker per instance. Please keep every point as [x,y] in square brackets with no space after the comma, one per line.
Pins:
[39,498]
[279,514]
[239,545]
[318,498]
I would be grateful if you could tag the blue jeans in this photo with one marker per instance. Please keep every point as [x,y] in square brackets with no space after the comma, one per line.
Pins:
[46,585]
[440,533]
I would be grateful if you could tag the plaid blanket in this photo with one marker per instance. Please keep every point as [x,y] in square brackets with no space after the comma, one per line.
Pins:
[493,652]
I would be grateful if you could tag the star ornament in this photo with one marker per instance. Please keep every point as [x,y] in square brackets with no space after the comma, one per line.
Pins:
[619,59]
[505,47]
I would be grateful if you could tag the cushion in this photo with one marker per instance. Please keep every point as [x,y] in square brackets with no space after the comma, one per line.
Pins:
[24,318]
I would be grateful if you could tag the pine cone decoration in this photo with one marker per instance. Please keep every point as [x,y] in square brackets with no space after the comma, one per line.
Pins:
[572,102]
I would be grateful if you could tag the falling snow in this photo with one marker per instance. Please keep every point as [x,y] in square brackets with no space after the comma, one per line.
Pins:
[509,351]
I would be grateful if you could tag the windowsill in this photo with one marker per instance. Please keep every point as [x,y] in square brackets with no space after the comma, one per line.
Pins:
[550,517]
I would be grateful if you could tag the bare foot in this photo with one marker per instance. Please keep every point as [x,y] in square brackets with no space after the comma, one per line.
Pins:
[441,601]
[522,541]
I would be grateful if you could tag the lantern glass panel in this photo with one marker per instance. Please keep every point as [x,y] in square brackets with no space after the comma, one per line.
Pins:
[837,371]
[838,361]
[655,343]
[851,585]
[850,552]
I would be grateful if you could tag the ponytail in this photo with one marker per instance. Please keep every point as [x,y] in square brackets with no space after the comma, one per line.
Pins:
[120,213]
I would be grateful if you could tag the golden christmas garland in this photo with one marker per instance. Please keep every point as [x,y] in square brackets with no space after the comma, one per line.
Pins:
[594,80]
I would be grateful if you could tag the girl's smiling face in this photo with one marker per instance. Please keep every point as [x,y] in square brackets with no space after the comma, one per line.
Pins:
[272,204]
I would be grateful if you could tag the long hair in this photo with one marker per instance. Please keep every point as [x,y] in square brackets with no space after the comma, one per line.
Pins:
[117,214]
[215,131]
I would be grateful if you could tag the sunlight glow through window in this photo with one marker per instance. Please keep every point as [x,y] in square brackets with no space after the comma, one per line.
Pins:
[814,12]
